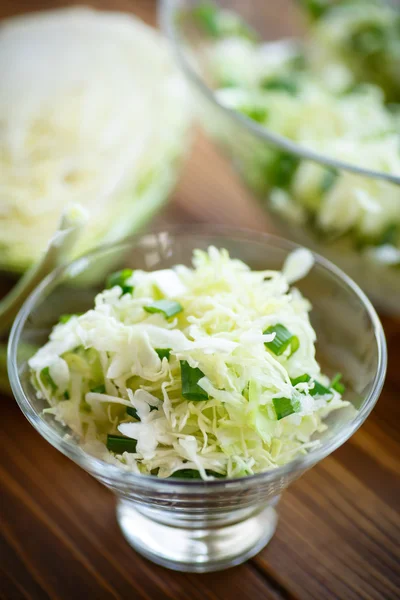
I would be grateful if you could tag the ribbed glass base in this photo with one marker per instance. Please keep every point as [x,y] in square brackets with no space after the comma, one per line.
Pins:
[199,545]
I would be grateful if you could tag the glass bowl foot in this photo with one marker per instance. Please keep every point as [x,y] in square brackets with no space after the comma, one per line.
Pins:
[198,546]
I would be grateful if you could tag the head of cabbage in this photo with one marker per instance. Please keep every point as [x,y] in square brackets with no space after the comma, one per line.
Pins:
[92,112]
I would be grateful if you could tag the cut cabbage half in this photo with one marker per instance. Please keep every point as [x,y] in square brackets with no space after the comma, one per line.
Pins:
[92,111]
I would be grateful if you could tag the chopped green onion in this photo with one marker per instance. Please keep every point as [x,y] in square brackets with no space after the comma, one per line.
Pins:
[286,406]
[187,474]
[168,308]
[316,8]
[190,377]
[281,84]
[281,170]
[295,345]
[282,340]
[193,474]
[65,318]
[99,389]
[319,390]
[337,385]
[328,180]
[132,412]
[369,39]
[120,278]
[390,235]
[163,352]
[120,444]
[47,380]
[256,113]
[301,379]
[206,14]
[219,23]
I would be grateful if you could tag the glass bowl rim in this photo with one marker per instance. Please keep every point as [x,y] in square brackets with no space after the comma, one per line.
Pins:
[117,475]
[167,21]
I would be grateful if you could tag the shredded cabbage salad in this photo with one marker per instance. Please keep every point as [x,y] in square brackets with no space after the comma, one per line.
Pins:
[196,372]
[362,35]
[315,95]
[93,112]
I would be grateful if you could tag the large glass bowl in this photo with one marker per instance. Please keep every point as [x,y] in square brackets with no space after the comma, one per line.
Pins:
[252,147]
[205,526]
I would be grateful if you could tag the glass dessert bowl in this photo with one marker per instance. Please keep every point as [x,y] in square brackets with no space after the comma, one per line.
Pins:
[192,525]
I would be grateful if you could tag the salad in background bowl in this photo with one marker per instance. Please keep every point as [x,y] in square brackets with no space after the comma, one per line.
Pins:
[293,94]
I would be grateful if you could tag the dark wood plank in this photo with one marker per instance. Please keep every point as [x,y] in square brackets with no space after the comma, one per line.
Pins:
[16,580]
[22,516]
[10,589]
[324,526]
[339,532]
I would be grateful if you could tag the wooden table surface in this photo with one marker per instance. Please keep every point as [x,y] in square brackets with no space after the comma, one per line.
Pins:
[339,530]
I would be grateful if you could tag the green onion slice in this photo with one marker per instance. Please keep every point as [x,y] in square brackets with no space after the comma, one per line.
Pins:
[390,235]
[132,412]
[206,14]
[337,385]
[163,352]
[320,390]
[301,379]
[286,406]
[65,318]
[219,23]
[193,474]
[317,390]
[316,8]
[120,278]
[281,84]
[47,379]
[256,113]
[120,444]
[329,179]
[168,308]
[99,389]
[281,170]
[369,40]
[282,340]
[190,378]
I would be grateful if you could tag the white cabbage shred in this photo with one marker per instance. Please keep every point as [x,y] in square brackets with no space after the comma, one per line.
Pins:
[93,112]
[100,363]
